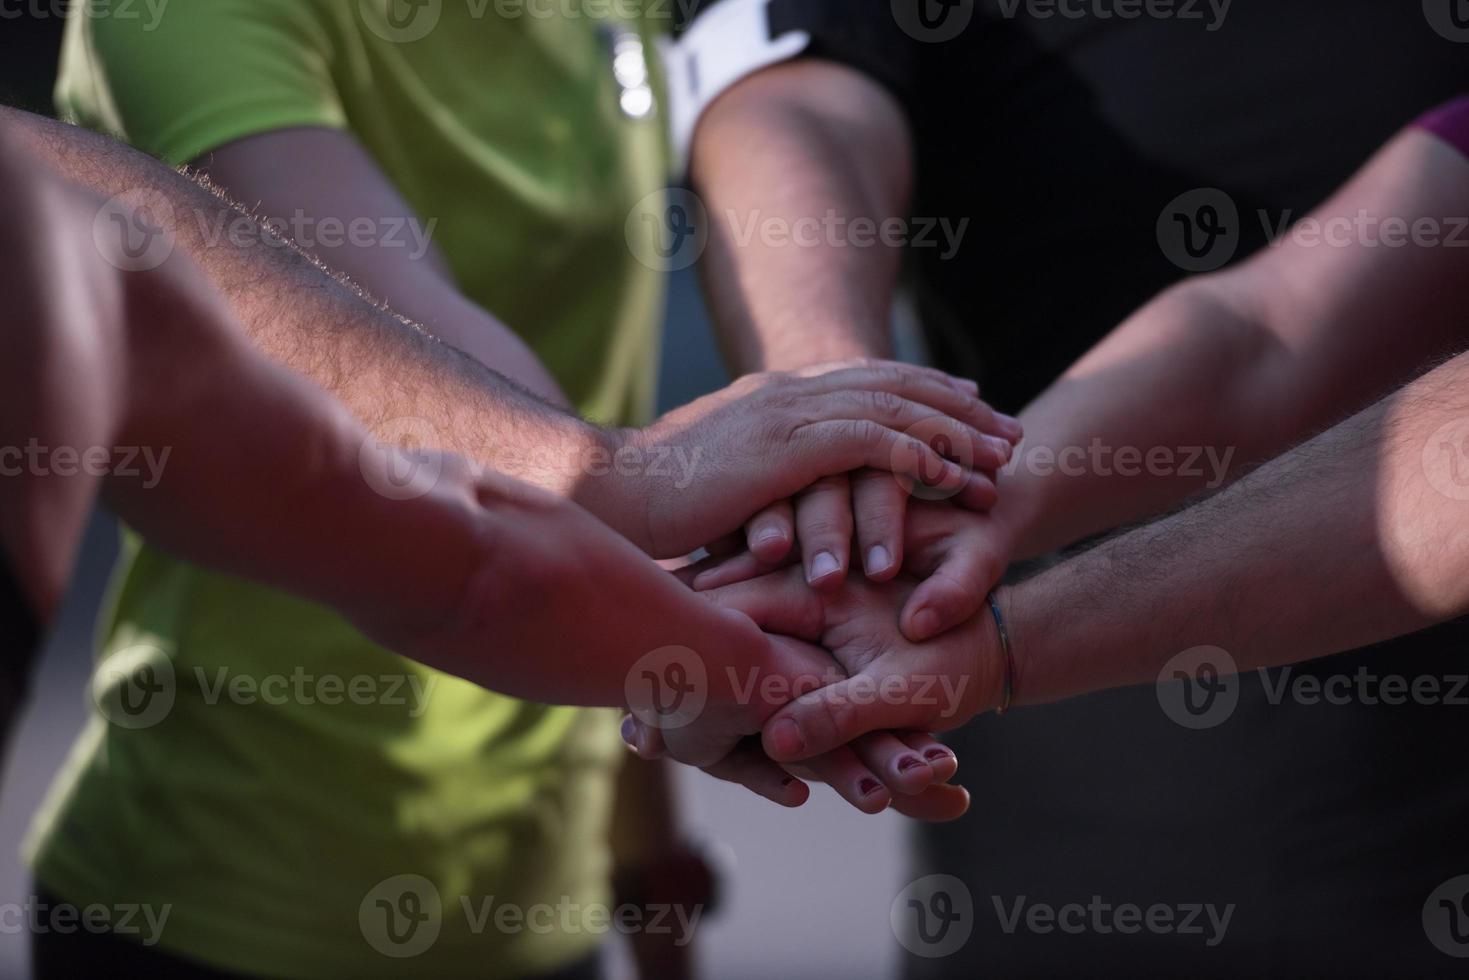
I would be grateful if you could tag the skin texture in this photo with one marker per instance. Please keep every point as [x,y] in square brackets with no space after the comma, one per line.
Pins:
[788,146]
[468,571]
[1243,363]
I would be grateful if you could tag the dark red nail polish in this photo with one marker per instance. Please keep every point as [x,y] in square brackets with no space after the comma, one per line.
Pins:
[868,787]
[909,762]
[934,755]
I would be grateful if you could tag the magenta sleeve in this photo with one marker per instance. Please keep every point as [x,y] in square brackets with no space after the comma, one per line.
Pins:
[1450,122]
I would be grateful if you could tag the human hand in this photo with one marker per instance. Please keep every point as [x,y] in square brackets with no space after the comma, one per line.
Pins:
[770,436]
[823,517]
[954,556]
[893,684]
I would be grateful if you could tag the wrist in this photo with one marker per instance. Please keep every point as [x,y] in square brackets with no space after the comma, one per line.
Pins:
[607,488]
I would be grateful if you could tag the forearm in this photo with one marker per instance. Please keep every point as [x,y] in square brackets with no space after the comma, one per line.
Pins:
[1229,369]
[799,167]
[399,380]
[1372,513]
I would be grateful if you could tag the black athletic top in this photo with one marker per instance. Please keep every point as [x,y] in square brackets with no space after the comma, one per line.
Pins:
[20,639]
[1328,827]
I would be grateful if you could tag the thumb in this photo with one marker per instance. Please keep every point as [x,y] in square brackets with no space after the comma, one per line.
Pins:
[955,591]
[826,719]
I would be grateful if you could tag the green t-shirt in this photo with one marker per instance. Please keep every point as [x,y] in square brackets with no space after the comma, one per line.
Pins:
[284,774]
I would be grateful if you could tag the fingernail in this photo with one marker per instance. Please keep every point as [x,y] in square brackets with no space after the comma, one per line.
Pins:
[629,729]
[969,384]
[787,739]
[824,564]
[769,535]
[878,559]
[908,763]
[868,787]
[1002,447]
[925,624]
[938,755]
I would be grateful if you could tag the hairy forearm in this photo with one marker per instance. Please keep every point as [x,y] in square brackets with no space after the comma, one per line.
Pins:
[1354,537]
[799,167]
[399,380]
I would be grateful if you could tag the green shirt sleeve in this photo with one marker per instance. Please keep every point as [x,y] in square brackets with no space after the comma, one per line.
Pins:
[202,74]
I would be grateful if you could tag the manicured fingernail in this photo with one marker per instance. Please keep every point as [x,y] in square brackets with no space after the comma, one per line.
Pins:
[1001,446]
[824,564]
[908,763]
[868,787]
[629,729]
[1011,425]
[938,755]
[969,384]
[925,624]
[878,559]
[786,738]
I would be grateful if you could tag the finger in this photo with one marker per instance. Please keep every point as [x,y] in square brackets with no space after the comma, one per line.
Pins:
[979,492]
[778,603]
[937,804]
[644,740]
[748,766]
[740,568]
[918,385]
[903,770]
[879,507]
[822,720]
[832,447]
[940,758]
[966,385]
[844,772]
[951,595]
[954,438]
[824,528]
[770,534]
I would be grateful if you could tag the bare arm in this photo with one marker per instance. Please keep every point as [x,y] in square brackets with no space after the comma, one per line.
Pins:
[669,488]
[805,171]
[1246,362]
[773,158]
[1381,500]
[324,182]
